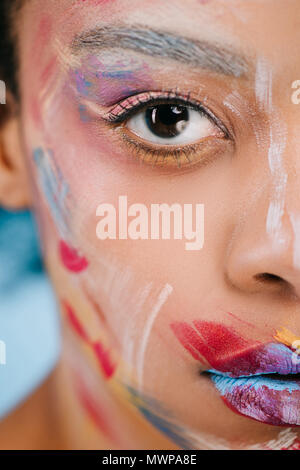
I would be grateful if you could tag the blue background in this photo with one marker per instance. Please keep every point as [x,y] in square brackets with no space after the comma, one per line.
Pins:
[29,322]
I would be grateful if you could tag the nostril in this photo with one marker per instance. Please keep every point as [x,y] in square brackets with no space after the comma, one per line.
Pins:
[269,278]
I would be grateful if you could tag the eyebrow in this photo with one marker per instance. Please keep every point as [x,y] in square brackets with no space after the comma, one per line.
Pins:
[198,53]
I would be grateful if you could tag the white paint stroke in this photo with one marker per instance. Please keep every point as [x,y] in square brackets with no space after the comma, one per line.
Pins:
[162,298]
[295,221]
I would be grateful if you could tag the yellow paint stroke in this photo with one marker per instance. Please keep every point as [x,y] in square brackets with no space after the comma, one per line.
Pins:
[285,336]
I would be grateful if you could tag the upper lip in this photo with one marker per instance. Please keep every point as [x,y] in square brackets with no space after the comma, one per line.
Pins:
[271,358]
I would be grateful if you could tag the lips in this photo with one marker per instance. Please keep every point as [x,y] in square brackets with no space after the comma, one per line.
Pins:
[260,381]
[271,394]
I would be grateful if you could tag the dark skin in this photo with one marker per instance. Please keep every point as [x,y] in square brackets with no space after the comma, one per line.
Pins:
[121,302]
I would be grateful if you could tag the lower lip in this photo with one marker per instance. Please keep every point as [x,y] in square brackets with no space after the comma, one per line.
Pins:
[274,401]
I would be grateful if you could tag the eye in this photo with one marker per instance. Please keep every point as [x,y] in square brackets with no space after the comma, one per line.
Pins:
[169,129]
[172,124]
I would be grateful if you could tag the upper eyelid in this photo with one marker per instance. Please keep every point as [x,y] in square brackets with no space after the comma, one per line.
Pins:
[120,112]
[143,99]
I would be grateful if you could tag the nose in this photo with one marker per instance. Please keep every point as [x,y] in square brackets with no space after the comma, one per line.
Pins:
[260,262]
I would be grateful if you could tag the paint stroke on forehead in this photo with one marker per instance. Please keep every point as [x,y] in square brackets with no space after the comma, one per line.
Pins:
[264,84]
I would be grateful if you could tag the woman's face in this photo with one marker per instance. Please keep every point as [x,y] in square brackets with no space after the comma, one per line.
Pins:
[170,102]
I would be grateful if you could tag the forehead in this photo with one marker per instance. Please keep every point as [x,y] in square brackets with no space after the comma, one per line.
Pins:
[224,19]
[267,27]
[250,28]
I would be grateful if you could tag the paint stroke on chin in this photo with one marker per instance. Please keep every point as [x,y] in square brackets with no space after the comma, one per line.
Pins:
[102,355]
[163,420]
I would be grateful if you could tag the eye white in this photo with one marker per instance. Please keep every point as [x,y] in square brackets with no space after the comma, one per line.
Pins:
[197,127]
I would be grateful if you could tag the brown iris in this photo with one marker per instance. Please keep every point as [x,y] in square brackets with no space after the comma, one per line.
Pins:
[167,120]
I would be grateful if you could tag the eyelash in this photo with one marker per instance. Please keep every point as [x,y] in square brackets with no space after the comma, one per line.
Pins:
[127,108]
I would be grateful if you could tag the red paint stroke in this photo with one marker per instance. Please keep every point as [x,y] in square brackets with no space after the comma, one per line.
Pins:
[219,346]
[94,409]
[75,323]
[35,112]
[108,367]
[294,446]
[104,359]
[48,71]
[42,37]
[95,306]
[71,259]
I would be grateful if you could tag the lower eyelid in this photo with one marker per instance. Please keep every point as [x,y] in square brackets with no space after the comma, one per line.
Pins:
[197,154]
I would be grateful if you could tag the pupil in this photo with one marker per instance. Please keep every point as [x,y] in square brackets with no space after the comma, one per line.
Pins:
[167,120]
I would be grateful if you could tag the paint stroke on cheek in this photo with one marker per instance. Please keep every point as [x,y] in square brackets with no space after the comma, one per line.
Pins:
[102,355]
[71,259]
[54,187]
[57,194]
[209,341]
[162,298]
[42,37]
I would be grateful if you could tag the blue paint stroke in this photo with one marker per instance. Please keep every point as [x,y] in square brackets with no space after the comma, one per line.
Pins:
[54,187]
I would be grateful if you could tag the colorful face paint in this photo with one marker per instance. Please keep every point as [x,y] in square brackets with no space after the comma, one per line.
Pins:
[271,401]
[227,352]
[54,187]
[106,82]
[121,297]
[71,259]
[102,354]
[256,380]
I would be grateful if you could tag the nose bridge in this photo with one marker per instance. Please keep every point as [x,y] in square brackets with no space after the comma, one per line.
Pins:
[267,239]
[283,213]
